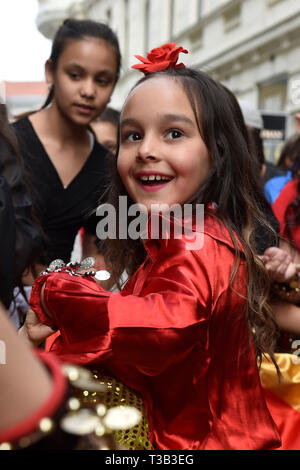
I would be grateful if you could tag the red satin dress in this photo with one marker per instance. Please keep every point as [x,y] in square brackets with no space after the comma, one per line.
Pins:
[177,334]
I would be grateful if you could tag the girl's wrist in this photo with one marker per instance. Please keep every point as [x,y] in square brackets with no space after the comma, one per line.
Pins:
[43,303]
[22,333]
[37,301]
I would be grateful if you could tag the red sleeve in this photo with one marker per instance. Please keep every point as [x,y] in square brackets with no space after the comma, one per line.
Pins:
[173,304]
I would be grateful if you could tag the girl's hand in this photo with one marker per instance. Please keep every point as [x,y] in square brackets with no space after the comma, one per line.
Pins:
[279,264]
[34,332]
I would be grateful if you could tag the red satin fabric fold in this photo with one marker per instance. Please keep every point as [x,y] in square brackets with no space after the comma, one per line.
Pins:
[287,419]
[178,334]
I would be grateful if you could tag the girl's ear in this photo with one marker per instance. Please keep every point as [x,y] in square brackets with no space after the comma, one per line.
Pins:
[49,74]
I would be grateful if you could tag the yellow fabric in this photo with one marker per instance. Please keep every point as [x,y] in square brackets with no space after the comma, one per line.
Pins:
[135,438]
[287,387]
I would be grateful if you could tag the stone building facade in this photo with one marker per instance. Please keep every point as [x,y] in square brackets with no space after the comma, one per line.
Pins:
[252,46]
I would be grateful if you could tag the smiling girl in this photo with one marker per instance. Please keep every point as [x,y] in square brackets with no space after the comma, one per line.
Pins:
[65,164]
[180,330]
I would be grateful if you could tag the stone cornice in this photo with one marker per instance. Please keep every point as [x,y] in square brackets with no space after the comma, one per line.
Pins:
[51,14]
[207,19]
[279,36]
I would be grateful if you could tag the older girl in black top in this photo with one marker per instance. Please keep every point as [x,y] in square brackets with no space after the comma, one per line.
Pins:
[65,164]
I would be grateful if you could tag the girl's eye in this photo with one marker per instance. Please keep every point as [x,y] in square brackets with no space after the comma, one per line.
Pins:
[174,134]
[132,136]
[74,75]
[102,81]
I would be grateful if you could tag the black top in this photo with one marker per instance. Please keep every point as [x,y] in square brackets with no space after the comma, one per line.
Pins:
[61,211]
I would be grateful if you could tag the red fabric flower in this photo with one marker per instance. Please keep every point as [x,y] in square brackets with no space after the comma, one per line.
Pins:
[161,58]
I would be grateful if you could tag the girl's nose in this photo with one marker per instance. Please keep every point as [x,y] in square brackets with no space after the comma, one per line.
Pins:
[88,89]
[148,149]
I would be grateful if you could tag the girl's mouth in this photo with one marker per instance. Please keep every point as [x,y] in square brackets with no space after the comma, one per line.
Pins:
[153,182]
[84,109]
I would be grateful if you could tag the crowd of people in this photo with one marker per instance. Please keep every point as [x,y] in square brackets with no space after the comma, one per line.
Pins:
[199,337]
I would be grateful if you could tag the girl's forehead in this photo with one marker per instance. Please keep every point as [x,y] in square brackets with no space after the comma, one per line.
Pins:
[157,91]
[86,49]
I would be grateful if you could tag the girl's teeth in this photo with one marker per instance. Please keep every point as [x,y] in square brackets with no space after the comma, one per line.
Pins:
[153,178]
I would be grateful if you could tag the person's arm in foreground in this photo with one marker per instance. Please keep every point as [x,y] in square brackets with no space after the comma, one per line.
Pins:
[24,381]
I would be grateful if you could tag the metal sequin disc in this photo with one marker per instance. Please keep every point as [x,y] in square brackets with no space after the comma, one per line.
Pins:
[81,422]
[102,275]
[82,378]
[87,263]
[122,417]
[57,263]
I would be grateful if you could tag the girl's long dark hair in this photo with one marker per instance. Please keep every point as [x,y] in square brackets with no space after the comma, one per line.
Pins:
[232,183]
[28,241]
[11,168]
[292,213]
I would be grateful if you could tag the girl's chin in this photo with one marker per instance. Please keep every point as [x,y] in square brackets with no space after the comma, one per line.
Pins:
[154,206]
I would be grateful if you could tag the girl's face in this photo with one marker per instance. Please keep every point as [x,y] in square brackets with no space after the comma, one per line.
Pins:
[84,79]
[162,158]
[107,134]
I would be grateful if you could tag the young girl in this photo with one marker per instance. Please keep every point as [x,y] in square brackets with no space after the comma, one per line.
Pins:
[105,127]
[179,332]
[64,162]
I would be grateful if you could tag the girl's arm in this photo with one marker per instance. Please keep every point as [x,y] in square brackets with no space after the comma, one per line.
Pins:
[283,269]
[287,316]
[164,314]
[25,383]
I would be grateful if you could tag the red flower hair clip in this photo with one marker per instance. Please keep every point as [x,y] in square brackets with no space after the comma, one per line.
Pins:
[161,58]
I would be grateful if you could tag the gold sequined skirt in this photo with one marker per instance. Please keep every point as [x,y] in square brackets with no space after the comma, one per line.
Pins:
[118,394]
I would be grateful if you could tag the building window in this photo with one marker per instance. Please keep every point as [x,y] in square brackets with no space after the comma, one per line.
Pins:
[272,102]
[272,97]
[232,18]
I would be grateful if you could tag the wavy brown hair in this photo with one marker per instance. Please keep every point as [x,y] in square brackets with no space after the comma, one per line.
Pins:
[232,183]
